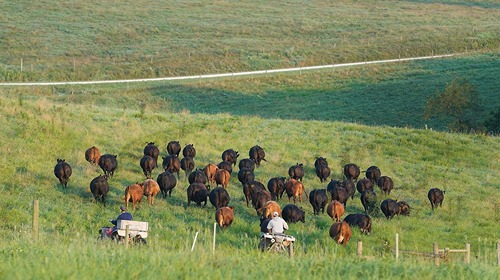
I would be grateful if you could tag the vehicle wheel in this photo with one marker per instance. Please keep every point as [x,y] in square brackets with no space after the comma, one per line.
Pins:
[263,244]
[277,248]
[116,237]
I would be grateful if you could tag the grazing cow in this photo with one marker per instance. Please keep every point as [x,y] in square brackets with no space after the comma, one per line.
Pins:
[63,171]
[364,185]
[219,197]
[373,174]
[167,183]
[224,216]
[335,210]
[364,222]
[246,163]
[251,187]
[436,197]
[268,209]
[187,164]
[348,185]
[337,192]
[392,207]
[134,193]
[351,171]
[152,151]
[151,189]
[147,164]
[323,172]
[210,170]
[189,151]
[172,163]
[260,198]
[197,193]
[386,184]
[246,175]
[226,166]
[198,176]
[174,148]
[108,164]
[341,232]
[319,162]
[99,187]
[370,202]
[293,214]
[263,225]
[92,155]
[332,185]
[294,188]
[230,156]
[257,154]
[222,177]
[296,172]
[276,187]
[318,200]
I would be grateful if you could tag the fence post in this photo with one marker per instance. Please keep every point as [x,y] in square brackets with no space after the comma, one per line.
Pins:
[194,241]
[397,247]
[35,220]
[436,254]
[127,231]
[213,242]
[359,249]
[467,253]
[498,253]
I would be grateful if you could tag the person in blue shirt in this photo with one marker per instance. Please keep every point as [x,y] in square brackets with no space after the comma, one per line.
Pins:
[124,215]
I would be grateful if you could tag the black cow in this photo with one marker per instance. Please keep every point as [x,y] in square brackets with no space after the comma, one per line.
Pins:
[167,183]
[189,151]
[148,163]
[323,172]
[319,162]
[99,187]
[227,166]
[260,198]
[108,164]
[257,154]
[332,185]
[436,197]
[392,207]
[293,214]
[251,187]
[386,184]
[351,171]
[246,163]
[296,171]
[276,187]
[348,185]
[174,148]
[363,185]
[219,197]
[197,193]
[369,201]
[152,151]
[318,200]
[245,175]
[373,173]
[337,192]
[172,163]
[364,222]
[63,171]
[187,164]
[198,176]
[263,224]
[230,156]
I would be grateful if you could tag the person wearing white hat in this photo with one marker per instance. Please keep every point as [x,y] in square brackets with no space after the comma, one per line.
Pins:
[277,225]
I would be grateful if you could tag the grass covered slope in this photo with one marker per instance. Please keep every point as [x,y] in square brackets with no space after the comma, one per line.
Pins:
[53,41]
[36,131]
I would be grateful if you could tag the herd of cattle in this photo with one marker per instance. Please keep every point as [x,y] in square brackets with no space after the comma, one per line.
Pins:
[263,200]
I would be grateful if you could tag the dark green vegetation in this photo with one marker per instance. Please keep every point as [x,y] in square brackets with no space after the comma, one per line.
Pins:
[295,117]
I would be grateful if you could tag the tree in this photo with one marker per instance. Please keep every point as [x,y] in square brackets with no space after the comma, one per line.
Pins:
[492,124]
[460,101]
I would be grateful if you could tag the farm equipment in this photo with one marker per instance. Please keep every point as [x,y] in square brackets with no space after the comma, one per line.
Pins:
[278,243]
[137,232]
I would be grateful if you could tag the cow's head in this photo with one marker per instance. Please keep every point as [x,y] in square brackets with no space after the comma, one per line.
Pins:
[404,208]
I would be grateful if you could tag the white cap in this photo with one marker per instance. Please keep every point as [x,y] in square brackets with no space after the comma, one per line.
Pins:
[275,214]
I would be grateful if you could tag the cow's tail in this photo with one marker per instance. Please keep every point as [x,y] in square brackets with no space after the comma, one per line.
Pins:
[220,218]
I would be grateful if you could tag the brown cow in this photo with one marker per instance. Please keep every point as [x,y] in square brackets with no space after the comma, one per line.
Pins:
[268,209]
[222,177]
[151,189]
[436,197]
[224,216]
[134,194]
[92,155]
[335,210]
[209,171]
[341,232]
[294,188]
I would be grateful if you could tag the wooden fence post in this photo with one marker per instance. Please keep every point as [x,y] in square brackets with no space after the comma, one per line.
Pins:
[498,253]
[35,219]
[397,247]
[467,253]
[359,249]
[213,242]
[436,254]
[127,231]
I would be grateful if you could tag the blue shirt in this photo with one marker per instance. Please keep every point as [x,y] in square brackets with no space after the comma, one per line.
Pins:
[122,216]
